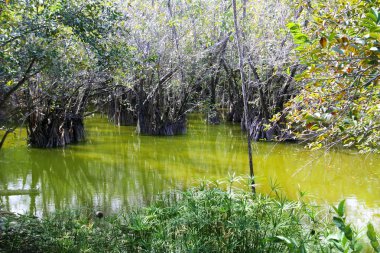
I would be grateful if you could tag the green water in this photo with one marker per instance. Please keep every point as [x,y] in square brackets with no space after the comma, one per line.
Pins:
[117,169]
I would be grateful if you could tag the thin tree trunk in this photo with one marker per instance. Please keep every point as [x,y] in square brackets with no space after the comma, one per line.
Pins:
[244,92]
[5,136]
[176,40]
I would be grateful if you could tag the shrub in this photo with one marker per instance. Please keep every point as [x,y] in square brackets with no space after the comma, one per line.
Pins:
[204,219]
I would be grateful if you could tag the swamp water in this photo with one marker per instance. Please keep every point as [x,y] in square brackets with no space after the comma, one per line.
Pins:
[116,169]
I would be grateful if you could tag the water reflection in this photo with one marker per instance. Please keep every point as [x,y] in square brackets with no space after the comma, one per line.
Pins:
[117,169]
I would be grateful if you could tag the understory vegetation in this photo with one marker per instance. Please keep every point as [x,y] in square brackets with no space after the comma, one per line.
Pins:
[202,219]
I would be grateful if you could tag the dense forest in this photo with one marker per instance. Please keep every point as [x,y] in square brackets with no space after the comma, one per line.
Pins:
[288,71]
[284,71]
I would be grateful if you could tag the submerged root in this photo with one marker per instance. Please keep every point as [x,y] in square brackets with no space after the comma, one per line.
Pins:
[158,127]
[53,131]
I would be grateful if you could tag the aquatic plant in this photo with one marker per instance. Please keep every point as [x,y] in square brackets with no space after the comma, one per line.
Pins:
[206,218]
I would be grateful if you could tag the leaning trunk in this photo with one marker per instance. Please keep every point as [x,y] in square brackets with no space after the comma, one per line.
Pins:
[7,132]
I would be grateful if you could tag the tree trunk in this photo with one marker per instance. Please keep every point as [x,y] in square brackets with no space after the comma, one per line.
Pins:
[55,121]
[53,130]
[121,107]
[5,136]
[245,101]
[213,116]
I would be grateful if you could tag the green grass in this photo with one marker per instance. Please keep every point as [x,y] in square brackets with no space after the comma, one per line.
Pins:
[204,219]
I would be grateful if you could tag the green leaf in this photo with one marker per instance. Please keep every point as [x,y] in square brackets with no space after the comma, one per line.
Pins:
[293,27]
[341,208]
[280,238]
[374,15]
[339,247]
[372,236]
[310,119]
[357,248]
[302,248]
[348,233]
[331,36]
[55,7]
[339,223]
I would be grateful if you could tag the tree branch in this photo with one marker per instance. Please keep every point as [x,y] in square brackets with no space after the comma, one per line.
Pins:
[19,83]
[160,82]
[8,131]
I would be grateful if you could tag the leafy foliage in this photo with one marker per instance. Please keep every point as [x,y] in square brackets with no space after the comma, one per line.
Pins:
[349,241]
[52,53]
[39,30]
[340,103]
[205,219]
[201,219]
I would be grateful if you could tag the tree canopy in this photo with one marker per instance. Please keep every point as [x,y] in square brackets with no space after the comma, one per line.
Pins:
[340,103]
[309,70]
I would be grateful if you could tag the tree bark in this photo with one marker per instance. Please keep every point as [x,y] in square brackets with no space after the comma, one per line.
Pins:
[244,93]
